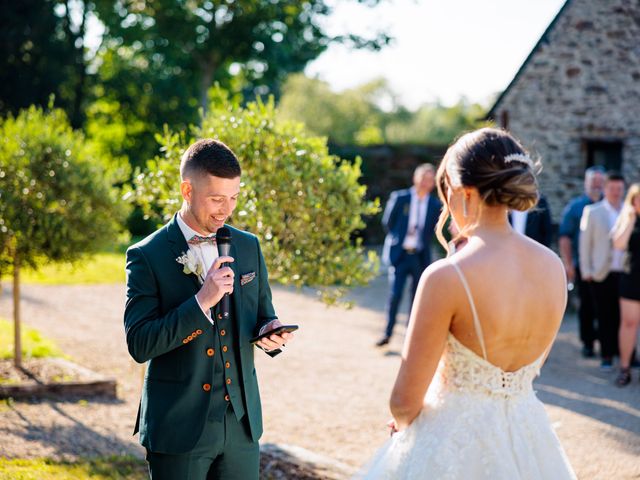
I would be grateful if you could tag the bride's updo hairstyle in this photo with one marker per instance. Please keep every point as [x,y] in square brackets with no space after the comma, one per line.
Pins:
[493,162]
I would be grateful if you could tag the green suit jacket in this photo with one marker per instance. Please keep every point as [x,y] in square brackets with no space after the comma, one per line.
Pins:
[165,327]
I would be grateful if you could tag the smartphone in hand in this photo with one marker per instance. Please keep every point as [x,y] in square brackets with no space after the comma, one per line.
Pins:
[275,331]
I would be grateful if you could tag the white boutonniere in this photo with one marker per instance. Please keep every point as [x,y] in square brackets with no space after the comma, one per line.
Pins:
[191,264]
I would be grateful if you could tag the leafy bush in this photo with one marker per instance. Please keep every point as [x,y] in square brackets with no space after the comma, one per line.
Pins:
[303,203]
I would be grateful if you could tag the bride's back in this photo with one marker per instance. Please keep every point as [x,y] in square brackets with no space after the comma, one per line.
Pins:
[517,285]
[518,289]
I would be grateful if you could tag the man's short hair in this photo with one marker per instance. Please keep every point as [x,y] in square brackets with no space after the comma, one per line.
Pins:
[613,176]
[591,171]
[424,167]
[211,157]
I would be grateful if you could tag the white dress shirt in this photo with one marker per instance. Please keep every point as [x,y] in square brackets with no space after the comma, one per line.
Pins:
[206,253]
[417,218]
[519,220]
[617,256]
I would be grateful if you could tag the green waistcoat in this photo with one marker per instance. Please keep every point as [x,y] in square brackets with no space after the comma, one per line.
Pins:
[227,378]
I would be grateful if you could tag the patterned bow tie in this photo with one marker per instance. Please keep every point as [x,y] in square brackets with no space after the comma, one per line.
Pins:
[198,240]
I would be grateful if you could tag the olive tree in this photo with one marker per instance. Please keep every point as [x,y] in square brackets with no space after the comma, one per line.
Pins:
[57,201]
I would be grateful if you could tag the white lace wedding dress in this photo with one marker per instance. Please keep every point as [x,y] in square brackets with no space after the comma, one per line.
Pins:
[478,422]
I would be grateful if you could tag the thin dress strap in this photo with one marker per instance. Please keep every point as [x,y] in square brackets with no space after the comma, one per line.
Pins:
[476,320]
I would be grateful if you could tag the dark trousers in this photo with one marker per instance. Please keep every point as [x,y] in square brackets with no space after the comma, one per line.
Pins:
[410,265]
[224,451]
[586,312]
[607,306]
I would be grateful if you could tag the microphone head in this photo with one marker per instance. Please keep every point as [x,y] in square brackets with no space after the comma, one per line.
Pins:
[223,236]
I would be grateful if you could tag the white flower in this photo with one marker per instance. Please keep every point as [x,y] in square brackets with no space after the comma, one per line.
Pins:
[190,264]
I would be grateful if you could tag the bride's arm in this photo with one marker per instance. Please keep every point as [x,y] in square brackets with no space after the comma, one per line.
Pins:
[431,316]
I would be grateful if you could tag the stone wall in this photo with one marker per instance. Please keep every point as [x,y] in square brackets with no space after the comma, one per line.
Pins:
[581,83]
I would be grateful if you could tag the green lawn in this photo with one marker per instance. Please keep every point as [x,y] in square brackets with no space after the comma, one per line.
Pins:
[109,468]
[33,343]
[106,267]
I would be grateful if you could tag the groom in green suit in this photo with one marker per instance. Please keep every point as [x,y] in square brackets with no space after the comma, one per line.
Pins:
[200,415]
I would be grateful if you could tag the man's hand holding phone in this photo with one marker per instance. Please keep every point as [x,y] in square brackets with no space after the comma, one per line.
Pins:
[274,335]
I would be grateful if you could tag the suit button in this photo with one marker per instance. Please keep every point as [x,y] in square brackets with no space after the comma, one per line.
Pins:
[223,332]
[185,340]
[224,348]
[228,382]
[227,365]
[206,387]
[226,397]
[190,337]
[199,332]
[210,352]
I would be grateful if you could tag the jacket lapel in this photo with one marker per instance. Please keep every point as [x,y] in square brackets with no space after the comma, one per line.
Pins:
[245,327]
[237,290]
[178,245]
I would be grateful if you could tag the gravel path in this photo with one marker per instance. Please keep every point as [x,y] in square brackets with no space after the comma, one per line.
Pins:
[328,393]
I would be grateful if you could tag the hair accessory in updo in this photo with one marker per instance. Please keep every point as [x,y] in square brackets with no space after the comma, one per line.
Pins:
[519,157]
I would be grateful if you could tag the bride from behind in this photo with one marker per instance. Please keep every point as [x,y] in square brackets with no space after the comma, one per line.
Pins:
[481,326]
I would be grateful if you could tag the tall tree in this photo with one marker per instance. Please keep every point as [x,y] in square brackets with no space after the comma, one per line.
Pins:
[195,43]
[42,52]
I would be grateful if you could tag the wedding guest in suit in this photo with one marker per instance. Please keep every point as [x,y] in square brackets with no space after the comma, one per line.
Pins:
[534,223]
[601,264]
[569,240]
[626,237]
[409,219]
[200,414]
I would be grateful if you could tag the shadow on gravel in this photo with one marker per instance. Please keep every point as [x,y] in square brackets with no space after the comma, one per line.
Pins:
[25,298]
[70,441]
[576,384]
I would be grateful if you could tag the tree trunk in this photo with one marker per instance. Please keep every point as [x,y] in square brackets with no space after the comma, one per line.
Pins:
[76,116]
[207,71]
[17,339]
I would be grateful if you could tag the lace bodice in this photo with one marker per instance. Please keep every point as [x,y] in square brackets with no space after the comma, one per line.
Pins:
[462,370]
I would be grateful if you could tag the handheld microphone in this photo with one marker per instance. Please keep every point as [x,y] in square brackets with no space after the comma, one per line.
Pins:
[223,241]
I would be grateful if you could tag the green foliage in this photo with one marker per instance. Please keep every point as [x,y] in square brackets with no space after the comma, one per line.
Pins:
[435,124]
[56,198]
[158,60]
[355,116]
[303,203]
[196,43]
[103,468]
[43,52]
[34,345]
[342,117]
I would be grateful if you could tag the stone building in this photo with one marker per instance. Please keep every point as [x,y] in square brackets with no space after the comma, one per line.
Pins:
[575,102]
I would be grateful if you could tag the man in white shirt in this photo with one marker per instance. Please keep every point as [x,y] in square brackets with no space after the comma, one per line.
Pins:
[409,219]
[534,223]
[601,264]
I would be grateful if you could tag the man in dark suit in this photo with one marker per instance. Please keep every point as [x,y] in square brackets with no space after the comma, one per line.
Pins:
[200,415]
[534,223]
[409,219]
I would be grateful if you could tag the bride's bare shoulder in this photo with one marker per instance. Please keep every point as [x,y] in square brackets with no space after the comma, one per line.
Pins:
[538,252]
[439,273]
